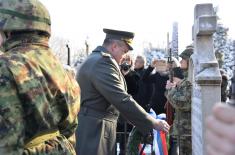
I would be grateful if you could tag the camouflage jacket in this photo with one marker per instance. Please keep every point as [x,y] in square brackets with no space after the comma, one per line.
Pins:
[224,89]
[36,96]
[180,99]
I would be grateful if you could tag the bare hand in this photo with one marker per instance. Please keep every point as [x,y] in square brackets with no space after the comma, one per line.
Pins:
[161,125]
[170,85]
[220,131]
[154,63]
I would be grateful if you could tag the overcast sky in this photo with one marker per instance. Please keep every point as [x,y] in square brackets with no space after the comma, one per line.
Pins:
[75,20]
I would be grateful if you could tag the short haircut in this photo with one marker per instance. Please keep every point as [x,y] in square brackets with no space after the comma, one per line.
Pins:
[142,58]
[108,41]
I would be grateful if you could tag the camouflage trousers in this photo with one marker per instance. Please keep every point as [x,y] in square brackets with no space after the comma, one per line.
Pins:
[185,147]
[56,146]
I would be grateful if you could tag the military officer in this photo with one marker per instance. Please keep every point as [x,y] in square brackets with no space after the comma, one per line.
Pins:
[104,96]
[39,102]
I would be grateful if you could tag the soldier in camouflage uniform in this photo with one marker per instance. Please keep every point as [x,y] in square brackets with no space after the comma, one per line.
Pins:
[219,57]
[1,41]
[179,95]
[39,102]
[224,85]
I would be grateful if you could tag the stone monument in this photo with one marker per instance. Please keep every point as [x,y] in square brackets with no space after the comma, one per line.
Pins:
[203,73]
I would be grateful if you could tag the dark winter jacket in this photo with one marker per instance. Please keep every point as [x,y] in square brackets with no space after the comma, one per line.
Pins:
[145,90]
[132,80]
[158,98]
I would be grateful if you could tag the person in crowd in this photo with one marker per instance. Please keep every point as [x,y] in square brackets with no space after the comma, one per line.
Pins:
[179,96]
[147,81]
[184,62]
[231,86]
[158,79]
[224,85]
[145,89]
[39,100]
[1,41]
[104,96]
[132,78]
[142,97]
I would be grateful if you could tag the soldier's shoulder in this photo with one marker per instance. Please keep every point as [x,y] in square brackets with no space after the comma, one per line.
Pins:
[4,60]
[5,74]
[105,54]
[107,57]
[102,52]
[186,83]
[100,55]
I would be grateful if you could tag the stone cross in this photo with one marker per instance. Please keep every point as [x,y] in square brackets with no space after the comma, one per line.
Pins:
[203,73]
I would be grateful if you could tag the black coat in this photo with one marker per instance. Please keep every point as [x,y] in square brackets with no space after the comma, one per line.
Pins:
[158,98]
[145,90]
[132,79]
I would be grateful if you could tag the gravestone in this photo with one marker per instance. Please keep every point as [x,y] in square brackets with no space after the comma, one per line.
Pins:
[203,73]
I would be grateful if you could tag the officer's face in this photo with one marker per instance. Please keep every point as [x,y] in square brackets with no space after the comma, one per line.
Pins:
[119,50]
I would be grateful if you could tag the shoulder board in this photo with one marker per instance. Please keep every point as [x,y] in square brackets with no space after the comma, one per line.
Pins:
[104,54]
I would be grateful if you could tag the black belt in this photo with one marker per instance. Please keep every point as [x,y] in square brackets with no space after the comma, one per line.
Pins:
[98,114]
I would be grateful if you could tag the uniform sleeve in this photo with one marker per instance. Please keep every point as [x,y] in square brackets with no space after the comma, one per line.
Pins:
[107,81]
[69,124]
[180,97]
[11,116]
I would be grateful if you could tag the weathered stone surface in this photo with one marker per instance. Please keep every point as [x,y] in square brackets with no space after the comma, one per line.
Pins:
[203,73]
